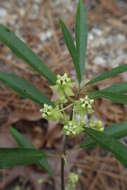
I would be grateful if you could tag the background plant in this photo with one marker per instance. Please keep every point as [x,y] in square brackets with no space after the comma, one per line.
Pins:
[77,47]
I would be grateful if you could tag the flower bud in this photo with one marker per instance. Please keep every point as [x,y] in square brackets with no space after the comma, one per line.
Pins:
[96,124]
[99,126]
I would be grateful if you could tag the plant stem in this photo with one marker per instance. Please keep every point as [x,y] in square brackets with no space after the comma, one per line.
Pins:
[63,163]
[64,149]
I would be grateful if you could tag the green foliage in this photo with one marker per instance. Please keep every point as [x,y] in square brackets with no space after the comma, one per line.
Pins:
[25,143]
[116,93]
[71,47]
[113,96]
[116,131]
[81,36]
[10,157]
[107,142]
[24,88]
[21,141]
[78,51]
[21,50]
[117,88]
[111,73]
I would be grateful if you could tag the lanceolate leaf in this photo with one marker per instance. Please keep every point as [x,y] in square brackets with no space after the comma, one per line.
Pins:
[81,36]
[22,51]
[10,157]
[24,143]
[107,142]
[114,97]
[111,73]
[117,88]
[116,131]
[71,47]
[24,88]
[21,141]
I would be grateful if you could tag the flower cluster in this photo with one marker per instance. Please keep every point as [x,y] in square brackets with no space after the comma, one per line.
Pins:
[64,86]
[72,181]
[72,128]
[51,113]
[84,105]
[80,109]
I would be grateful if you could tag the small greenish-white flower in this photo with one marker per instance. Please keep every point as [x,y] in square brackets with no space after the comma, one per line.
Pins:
[84,106]
[73,178]
[51,113]
[64,86]
[72,128]
[87,104]
[72,181]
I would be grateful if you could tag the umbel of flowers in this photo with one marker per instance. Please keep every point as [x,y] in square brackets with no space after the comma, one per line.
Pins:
[81,108]
[72,181]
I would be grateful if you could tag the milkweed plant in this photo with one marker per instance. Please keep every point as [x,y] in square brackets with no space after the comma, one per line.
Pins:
[73,107]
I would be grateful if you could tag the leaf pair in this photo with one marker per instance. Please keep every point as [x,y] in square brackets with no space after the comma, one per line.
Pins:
[21,50]
[78,51]
[116,92]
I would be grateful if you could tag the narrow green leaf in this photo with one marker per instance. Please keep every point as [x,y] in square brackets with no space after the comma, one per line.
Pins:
[108,74]
[10,157]
[114,97]
[71,47]
[21,50]
[24,88]
[116,131]
[44,164]
[25,143]
[117,88]
[20,139]
[81,36]
[107,142]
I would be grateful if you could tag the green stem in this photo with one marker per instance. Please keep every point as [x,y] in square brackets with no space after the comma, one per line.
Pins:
[64,147]
[63,164]
[65,108]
